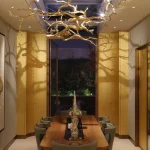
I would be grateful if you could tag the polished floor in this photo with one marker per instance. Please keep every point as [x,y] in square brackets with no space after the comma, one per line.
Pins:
[30,144]
[149,142]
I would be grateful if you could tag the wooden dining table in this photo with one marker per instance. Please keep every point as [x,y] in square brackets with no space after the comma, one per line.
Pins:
[91,131]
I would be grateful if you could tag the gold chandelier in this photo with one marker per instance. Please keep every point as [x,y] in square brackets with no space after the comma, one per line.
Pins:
[77,20]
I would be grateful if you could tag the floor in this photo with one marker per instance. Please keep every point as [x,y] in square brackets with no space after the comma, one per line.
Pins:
[30,144]
[149,142]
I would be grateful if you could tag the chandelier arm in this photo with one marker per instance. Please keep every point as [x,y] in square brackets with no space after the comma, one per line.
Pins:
[29,4]
[77,20]
[80,37]
[108,6]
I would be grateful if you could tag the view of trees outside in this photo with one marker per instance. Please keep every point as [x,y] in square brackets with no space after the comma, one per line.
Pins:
[76,70]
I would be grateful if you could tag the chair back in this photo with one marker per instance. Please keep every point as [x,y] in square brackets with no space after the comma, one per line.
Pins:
[104,119]
[103,126]
[65,112]
[90,146]
[47,118]
[42,125]
[39,134]
[110,134]
[84,112]
[46,122]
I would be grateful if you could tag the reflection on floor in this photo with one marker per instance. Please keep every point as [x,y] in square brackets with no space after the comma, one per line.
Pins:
[30,144]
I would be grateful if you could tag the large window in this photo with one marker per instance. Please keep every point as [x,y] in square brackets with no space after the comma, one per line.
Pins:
[75,68]
[72,68]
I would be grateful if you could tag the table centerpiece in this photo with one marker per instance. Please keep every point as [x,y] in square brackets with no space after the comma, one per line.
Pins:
[74,113]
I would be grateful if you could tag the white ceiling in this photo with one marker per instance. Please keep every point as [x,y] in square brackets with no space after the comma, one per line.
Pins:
[5,7]
[125,12]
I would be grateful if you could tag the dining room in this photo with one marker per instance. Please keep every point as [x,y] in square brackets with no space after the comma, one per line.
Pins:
[74,74]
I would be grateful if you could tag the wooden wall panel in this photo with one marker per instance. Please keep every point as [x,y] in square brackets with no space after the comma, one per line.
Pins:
[143,98]
[108,76]
[148,89]
[123,83]
[36,79]
[112,85]
[30,84]
[31,81]
[21,83]
[40,80]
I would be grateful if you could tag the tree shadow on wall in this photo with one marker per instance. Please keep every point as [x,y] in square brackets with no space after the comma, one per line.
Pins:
[31,62]
[10,62]
[108,62]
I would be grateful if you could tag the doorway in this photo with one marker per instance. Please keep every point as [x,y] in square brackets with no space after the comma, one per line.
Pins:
[142,97]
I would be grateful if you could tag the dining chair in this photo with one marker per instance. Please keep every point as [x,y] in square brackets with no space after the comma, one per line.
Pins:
[90,146]
[47,118]
[46,121]
[103,126]
[84,112]
[39,134]
[43,125]
[109,133]
[104,119]
[65,112]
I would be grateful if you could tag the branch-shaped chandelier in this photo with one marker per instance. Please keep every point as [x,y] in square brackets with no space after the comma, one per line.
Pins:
[69,24]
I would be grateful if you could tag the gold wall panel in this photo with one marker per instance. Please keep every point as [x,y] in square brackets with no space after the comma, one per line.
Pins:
[148,90]
[35,91]
[123,83]
[108,77]
[112,92]
[21,83]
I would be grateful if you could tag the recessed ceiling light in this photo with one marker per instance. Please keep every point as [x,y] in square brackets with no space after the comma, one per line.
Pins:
[133,7]
[43,17]
[115,27]
[37,0]
[12,7]
[29,27]
[121,20]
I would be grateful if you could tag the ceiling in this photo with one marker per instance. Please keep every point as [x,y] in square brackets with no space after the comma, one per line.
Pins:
[129,16]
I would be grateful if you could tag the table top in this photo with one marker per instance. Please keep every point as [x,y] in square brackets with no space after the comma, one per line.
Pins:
[91,130]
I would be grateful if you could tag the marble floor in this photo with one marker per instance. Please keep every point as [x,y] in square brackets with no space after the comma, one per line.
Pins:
[30,144]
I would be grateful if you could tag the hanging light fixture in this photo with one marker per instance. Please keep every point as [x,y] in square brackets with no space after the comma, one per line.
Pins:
[69,24]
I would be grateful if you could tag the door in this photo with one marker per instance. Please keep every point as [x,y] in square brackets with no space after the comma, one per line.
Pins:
[143,98]
[142,77]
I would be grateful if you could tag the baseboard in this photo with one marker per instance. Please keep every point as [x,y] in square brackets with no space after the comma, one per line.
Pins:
[148,132]
[10,143]
[117,135]
[20,137]
[24,136]
[132,141]
[122,136]
[30,134]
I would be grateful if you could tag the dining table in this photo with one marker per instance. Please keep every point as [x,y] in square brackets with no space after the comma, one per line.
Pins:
[91,130]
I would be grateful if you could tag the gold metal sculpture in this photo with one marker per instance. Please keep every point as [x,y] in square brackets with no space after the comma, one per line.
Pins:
[1,85]
[78,20]
[75,112]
